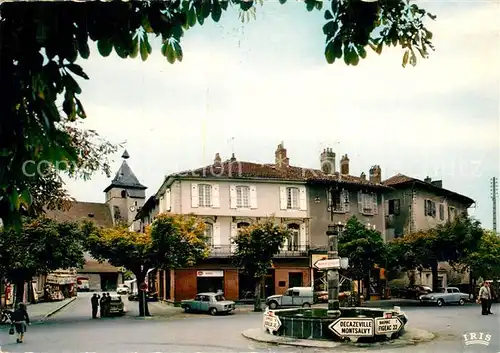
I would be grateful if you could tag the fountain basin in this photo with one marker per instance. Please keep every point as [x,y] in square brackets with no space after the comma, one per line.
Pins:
[357,324]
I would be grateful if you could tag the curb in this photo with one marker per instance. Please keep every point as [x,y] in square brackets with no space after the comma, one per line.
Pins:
[58,308]
[411,337]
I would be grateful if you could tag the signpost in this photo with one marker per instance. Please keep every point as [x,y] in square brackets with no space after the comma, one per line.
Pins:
[272,323]
[352,328]
[327,264]
[388,327]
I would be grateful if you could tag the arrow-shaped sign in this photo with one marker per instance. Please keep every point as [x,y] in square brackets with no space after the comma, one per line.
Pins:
[327,264]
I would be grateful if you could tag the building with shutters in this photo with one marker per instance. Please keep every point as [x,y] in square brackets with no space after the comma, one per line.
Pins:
[412,205]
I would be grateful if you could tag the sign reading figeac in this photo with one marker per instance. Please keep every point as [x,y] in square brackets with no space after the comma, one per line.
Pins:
[352,327]
[385,326]
[271,321]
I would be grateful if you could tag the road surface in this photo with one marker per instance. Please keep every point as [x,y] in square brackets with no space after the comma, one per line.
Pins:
[72,330]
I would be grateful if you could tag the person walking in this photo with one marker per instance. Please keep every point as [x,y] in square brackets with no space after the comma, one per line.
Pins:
[94,301]
[20,319]
[484,297]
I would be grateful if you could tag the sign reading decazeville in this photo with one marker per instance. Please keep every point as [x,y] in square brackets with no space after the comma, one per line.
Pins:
[352,327]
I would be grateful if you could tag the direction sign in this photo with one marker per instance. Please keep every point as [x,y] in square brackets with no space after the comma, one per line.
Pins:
[352,327]
[387,326]
[271,322]
[327,264]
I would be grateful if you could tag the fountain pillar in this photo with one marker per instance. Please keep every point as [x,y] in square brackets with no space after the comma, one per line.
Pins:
[333,274]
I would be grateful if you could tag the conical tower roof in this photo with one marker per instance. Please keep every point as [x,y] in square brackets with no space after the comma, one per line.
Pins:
[125,177]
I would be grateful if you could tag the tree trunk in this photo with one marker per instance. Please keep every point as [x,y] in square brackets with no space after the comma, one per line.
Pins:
[142,295]
[366,281]
[435,279]
[257,304]
[359,293]
[19,288]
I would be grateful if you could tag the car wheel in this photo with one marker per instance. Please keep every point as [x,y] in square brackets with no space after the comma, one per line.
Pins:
[440,302]
[273,305]
[187,309]
[306,305]
[213,311]
[461,302]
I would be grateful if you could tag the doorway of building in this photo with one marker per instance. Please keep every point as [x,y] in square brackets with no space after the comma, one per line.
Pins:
[269,286]
[295,279]
[210,284]
[109,281]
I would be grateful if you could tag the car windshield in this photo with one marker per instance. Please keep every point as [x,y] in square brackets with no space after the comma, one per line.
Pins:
[116,299]
[441,290]
[219,298]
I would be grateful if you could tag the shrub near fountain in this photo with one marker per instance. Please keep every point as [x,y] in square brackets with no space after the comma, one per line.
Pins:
[302,323]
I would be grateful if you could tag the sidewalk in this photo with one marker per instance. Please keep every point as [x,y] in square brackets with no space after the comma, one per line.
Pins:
[39,312]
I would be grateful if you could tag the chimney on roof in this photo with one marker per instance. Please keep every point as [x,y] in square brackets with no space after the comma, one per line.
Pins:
[327,160]
[217,159]
[428,179]
[233,158]
[344,165]
[376,174]
[280,158]
[437,183]
[363,176]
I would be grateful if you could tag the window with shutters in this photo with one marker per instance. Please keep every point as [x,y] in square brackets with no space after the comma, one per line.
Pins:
[367,203]
[209,234]
[430,208]
[441,212]
[294,237]
[243,197]
[452,213]
[394,207]
[292,198]
[204,195]
[340,200]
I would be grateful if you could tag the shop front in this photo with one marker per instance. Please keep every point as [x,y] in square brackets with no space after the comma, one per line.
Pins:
[60,285]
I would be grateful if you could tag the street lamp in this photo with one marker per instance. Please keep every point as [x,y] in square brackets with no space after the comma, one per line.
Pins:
[333,232]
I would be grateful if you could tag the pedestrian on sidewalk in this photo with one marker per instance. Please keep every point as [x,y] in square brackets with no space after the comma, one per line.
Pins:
[20,319]
[102,305]
[94,301]
[484,297]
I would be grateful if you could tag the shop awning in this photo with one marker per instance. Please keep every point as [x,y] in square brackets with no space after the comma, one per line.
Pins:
[60,279]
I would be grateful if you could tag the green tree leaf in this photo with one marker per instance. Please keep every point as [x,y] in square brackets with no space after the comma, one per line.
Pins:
[105,46]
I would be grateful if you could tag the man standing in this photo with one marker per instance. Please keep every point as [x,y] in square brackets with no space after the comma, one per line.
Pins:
[108,304]
[95,305]
[485,297]
[102,305]
[493,295]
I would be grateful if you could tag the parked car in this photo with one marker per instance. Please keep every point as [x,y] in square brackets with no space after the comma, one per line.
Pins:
[151,297]
[295,296]
[116,305]
[122,289]
[448,295]
[415,292]
[213,303]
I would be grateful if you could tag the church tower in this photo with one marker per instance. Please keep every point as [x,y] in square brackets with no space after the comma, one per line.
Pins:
[125,195]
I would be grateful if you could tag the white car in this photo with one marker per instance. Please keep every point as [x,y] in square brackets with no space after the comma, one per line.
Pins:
[122,289]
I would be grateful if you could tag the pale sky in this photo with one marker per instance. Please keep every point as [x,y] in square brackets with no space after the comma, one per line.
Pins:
[267,81]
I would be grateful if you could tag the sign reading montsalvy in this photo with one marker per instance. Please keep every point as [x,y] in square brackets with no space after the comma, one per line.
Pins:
[352,327]
[327,264]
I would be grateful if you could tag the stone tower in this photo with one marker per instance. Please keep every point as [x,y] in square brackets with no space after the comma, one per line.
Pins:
[125,195]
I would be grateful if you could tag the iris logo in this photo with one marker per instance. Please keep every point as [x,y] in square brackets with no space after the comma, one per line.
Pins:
[473,338]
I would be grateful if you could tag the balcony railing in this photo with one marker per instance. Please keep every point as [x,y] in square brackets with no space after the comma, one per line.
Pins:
[287,251]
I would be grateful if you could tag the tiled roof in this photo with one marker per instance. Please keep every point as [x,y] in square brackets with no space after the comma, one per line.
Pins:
[401,179]
[83,211]
[126,178]
[93,266]
[249,170]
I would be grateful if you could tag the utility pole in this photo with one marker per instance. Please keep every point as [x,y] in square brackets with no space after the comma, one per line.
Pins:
[494,192]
